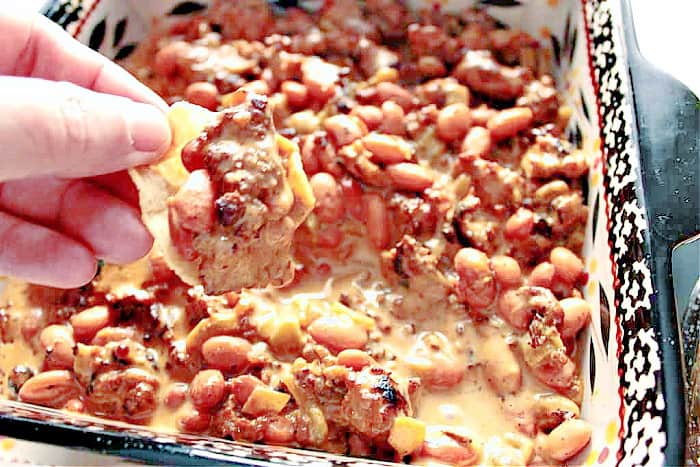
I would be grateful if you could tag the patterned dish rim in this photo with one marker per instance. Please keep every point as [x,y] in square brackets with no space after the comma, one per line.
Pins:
[646,346]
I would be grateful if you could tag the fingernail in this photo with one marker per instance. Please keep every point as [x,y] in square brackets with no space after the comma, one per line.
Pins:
[148,127]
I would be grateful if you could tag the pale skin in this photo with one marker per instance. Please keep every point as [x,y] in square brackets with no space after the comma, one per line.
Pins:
[72,122]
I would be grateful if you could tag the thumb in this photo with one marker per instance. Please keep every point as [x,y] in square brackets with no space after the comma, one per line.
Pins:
[60,129]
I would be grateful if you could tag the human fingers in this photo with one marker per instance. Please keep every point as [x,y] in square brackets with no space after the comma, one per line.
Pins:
[119,184]
[107,225]
[60,129]
[42,256]
[34,46]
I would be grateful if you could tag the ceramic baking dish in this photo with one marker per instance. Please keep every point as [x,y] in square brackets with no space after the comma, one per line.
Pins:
[640,128]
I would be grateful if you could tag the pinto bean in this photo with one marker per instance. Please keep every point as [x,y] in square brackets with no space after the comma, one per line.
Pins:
[387,149]
[226,353]
[355,359]
[481,115]
[57,341]
[567,265]
[194,422]
[330,206]
[344,129]
[320,78]
[304,122]
[542,275]
[393,119]
[477,284]
[50,388]
[297,94]
[377,220]
[88,322]
[207,389]
[519,226]
[430,66]
[567,440]
[371,115]
[477,142]
[577,313]
[279,431]
[175,395]
[509,122]
[352,193]
[550,410]
[393,92]
[574,165]
[337,333]
[167,59]
[453,122]
[409,176]
[203,94]
[506,270]
[547,192]
[500,366]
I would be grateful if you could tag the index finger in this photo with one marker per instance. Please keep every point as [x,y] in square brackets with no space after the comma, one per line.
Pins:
[34,46]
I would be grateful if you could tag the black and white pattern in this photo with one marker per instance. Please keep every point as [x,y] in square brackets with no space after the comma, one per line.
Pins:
[643,428]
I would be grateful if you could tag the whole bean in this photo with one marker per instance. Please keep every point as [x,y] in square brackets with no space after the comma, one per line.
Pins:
[50,388]
[477,142]
[377,220]
[409,176]
[393,119]
[567,440]
[203,94]
[330,206]
[509,122]
[371,115]
[387,149]
[453,122]
[296,93]
[500,365]
[226,353]
[567,265]
[393,92]
[57,341]
[344,129]
[280,431]
[482,114]
[542,275]
[194,422]
[430,66]
[352,193]
[337,333]
[577,313]
[355,359]
[175,395]
[547,192]
[207,389]
[506,270]
[550,410]
[88,322]
[519,226]
[166,59]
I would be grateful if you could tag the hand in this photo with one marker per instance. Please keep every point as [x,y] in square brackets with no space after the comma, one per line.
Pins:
[69,114]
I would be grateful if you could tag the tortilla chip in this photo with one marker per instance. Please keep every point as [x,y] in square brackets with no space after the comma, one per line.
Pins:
[160,181]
